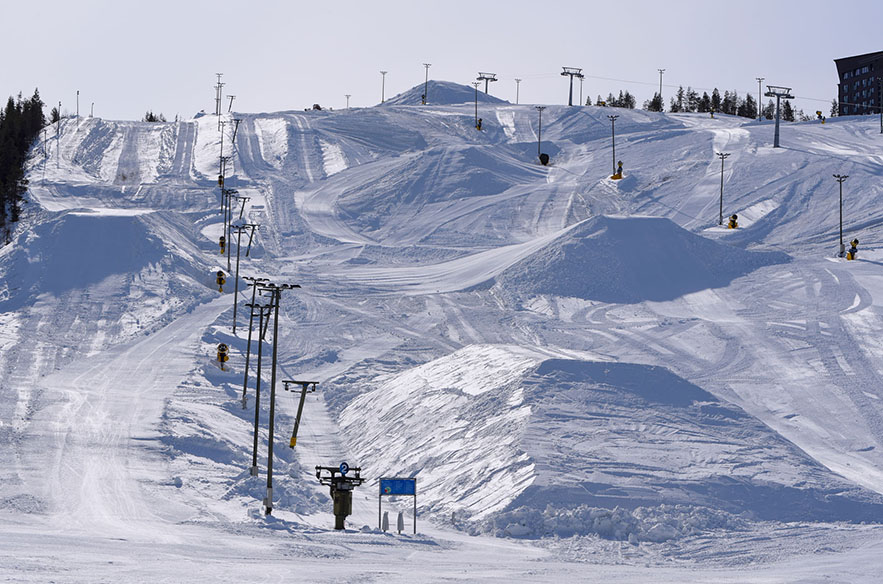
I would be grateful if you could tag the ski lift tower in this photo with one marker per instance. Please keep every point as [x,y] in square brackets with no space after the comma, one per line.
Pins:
[778,93]
[487,78]
[573,72]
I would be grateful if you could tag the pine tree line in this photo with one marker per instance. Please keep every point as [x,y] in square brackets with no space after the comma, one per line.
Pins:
[20,124]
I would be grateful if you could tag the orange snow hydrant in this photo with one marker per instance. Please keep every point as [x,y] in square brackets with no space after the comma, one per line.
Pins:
[222,242]
[853,251]
[223,354]
[221,281]
[733,224]
[618,174]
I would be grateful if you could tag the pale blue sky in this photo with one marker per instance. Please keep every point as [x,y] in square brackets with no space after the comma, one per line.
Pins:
[127,57]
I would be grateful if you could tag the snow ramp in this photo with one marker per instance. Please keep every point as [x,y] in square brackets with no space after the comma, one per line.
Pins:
[497,434]
[628,260]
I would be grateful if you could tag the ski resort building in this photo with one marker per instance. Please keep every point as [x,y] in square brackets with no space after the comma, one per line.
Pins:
[859,90]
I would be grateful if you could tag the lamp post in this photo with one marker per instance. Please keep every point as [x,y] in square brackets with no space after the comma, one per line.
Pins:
[661,71]
[840,178]
[759,102]
[613,138]
[517,87]
[723,156]
[383,86]
[540,109]
[426,83]
[475,84]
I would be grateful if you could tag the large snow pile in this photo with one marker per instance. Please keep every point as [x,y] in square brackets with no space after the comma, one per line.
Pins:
[442,93]
[491,429]
[631,259]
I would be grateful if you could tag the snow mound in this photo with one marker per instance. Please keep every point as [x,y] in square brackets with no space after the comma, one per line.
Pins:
[629,260]
[442,93]
[494,429]
[104,252]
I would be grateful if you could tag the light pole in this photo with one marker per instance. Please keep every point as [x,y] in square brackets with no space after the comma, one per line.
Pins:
[276,292]
[840,178]
[517,87]
[253,282]
[540,109]
[581,91]
[613,138]
[426,83]
[723,156]
[383,86]
[661,71]
[475,84]
[347,95]
[759,101]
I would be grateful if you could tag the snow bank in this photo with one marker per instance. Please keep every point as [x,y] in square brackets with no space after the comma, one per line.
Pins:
[631,259]
[642,524]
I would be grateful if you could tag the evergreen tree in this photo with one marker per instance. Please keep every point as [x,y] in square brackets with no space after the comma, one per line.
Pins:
[748,107]
[769,110]
[704,105]
[692,103]
[629,101]
[655,104]
[677,102]
[151,117]
[787,111]
[20,124]
[835,108]
[600,101]
[715,100]
[54,115]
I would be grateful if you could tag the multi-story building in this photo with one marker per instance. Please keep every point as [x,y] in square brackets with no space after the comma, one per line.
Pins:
[859,90]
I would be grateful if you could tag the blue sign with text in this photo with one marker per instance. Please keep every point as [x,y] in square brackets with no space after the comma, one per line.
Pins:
[398,487]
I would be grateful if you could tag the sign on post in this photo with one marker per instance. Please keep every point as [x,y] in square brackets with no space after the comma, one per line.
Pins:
[397,486]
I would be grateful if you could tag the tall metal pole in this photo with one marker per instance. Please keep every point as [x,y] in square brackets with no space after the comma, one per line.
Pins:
[661,71]
[723,156]
[426,84]
[613,138]
[776,136]
[257,391]
[347,95]
[540,109]
[759,101]
[268,502]
[880,100]
[78,104]
[475,85]
[570,95]
[517,87]
[383,86]
[581,90]
[840,178]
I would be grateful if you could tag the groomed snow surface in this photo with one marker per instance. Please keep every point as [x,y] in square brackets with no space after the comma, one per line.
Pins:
[591,380]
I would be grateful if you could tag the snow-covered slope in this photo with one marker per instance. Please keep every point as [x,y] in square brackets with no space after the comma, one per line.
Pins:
[548,351]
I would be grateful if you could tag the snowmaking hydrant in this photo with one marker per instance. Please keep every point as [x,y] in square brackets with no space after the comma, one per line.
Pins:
[853,251]
[222,242]
[618,174]
[734,223]
[341,489]
[223,354]
[220,280]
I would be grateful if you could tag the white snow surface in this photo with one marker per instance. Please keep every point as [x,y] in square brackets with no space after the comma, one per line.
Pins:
[590,379]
